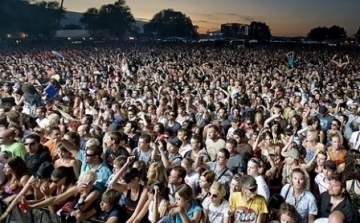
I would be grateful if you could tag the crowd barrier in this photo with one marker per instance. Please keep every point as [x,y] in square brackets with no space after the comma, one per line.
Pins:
[42,215]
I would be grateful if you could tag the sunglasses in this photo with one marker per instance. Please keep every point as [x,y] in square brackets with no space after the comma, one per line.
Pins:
[252,189]
[255,161]
[29,144]
[90,155]
[213,195]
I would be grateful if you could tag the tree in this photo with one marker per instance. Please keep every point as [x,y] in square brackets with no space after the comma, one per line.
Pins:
[38,18]
[322,33]
[168,23]
[259,31]
[115,19]
[318,33]
[336,32]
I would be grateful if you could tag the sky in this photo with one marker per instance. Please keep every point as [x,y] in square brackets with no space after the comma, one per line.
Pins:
[284,17]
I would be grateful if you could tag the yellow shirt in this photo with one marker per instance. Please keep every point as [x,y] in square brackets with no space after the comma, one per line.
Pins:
[247,212]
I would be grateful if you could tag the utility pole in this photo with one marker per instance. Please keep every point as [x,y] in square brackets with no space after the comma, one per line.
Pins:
[61,8]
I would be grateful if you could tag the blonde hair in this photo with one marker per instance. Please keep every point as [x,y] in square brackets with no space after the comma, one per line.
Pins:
[313,131]
[160,173]
[304,173]
[53,120]
[219,188]
[92,142]
[88,177]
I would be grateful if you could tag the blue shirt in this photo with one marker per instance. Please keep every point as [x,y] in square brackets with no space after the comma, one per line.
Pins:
[102,172]
[190,212]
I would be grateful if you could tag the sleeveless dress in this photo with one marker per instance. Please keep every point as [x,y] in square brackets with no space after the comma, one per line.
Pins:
[340,159]
[130,205]
[354,197]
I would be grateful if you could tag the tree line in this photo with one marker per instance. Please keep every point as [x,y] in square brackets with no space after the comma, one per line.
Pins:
[116,20]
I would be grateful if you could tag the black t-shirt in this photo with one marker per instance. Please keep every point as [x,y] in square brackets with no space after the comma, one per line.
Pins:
[119,152]
[344,206]
[33,162]
[114,212]
[133,141]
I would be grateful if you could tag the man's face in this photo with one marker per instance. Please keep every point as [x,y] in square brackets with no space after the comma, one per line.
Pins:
[173,177]
[127,128]
[31,145]
[142,144]
[212,133]
[194,144]
[220,159]
[89,156]
[39,113]
[335,188]
[253,168]
[55,135]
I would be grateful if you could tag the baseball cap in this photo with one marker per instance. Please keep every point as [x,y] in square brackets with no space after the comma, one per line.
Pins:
[44,170]
[235,119]
[293,153]
[175,142]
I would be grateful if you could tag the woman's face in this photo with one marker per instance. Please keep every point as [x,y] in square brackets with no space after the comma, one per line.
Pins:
[63,154]
[150,173]
[116,168]
[298,180]
[320,159]
[57,181]
[234,186]
[179,201]
[335,142]
[7,170]
[310,136]
[203,183]
[327,173]
[284,218]
[214,196]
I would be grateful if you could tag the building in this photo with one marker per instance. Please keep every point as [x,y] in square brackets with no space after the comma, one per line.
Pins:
[235,30]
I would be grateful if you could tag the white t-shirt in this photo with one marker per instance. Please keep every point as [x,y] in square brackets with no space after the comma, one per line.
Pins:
[42,123]
[150,215]
[185,149]
[321,182]
[216,214]
[263,188]
[192,180]
[355,140]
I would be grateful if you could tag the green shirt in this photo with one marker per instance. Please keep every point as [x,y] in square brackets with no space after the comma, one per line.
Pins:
[16,148]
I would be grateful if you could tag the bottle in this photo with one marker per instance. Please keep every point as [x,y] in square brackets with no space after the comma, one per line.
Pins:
[22,207]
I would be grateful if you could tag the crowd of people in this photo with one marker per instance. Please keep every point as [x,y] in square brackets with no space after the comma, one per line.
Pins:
[139,133]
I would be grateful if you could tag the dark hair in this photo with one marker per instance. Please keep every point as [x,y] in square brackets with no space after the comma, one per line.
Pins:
[181,172]
[34,136]
[338,177]
[75,137]
[164,191]
[68,172]
[225,152]
[116,136]
[131,175]
[19,167]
